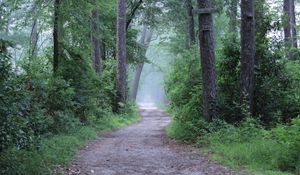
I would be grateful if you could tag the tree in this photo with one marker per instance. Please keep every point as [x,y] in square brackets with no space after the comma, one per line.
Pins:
[293,23]
[207,52]
[34,32]
[247,52]
[121,55]
[134,8]
[145,41]
[190,23]
[290,34]
[96,49]
[57,34]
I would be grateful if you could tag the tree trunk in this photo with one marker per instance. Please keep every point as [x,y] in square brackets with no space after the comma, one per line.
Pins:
[121,55]
[247,52]
[57,34]
[207,51]
[287,24]
[233,16]
[145,42]
[34,33]
[191,23]
[95,36]
[293,24]
[290,34]
[136,81]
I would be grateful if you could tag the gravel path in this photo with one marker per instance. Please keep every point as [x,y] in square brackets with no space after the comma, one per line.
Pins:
[143,149]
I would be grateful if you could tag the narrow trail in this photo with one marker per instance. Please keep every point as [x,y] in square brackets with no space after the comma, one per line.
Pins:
[143,149]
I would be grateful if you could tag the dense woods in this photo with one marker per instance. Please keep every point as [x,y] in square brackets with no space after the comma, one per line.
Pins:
[256,98]
[69,69]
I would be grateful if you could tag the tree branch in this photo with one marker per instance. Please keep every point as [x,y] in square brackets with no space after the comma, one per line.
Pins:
[132,13]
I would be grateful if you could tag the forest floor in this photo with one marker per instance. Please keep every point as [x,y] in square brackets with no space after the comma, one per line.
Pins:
[143,149]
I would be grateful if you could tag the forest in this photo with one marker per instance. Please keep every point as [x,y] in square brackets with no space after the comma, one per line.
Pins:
[221,77]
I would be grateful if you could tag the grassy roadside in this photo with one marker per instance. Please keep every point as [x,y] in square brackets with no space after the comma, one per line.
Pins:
[258,155]
[255,157]
[60,149]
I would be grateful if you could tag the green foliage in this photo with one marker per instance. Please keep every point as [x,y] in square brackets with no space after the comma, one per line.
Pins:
[289,136]
[248,144]
[85,83]
[228,79]
[184,86]
[14,128]
[56,152]
[259,149]
[266,142]
[34,102]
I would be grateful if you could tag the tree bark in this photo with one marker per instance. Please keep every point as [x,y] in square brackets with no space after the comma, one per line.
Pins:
[145,42]
[121,55]
[287,23]
[95,37]
[233,16]
[290,34]
[57,34]
[34,33]
[293,24]
[247,52]
[207,52]
[191,23]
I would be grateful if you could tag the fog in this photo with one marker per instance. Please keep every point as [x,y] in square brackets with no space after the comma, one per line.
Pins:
[151,87]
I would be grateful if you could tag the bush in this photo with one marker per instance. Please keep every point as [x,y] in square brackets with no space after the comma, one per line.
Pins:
[183,88]
[289,136]
[36,104]
[250,145]
[56,152]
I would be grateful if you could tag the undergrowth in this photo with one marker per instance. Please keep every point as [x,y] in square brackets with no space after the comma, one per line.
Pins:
[56,152]
[248,145]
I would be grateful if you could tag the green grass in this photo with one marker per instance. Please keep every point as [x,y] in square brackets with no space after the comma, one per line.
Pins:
[257,155]
[263,157]
[58,150]
[179,131]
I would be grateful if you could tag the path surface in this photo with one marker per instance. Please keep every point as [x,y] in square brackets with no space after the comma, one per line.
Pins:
[143,149]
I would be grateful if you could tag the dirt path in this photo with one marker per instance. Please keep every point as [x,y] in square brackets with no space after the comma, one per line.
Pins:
[143,149]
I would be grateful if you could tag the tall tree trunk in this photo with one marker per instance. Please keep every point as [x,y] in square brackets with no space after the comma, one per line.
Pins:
[136,80]
[207,51]
[191,23]
[247,52]
[95,36]
[290,34]
[287,23]
[139,67]
[121,55]
[34,33]
[233,16]
[293,24]
[145,42]
[57,34]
